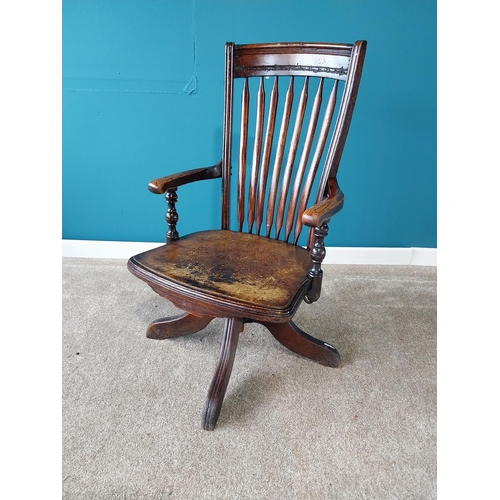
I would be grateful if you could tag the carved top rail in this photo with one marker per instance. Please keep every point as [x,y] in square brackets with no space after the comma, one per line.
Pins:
[302,59]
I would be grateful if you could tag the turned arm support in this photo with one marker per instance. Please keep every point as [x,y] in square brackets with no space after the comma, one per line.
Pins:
[169,185]
[318,217]
[163,184]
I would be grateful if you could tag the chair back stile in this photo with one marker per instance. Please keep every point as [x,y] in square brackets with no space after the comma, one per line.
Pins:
[275,184]
[228,130]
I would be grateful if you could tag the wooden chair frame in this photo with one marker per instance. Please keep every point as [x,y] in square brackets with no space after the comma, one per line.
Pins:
[262,205]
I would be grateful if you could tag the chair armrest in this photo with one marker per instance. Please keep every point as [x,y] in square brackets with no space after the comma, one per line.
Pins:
[324,210]
[161,185]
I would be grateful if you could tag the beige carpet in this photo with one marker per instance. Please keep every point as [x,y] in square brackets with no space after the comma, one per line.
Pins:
[289,428]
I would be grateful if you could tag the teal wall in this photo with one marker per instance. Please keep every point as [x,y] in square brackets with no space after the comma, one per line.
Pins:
[143,95]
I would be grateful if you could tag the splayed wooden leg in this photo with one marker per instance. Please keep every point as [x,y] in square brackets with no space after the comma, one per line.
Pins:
[213,403]
[177,326]
[298,341]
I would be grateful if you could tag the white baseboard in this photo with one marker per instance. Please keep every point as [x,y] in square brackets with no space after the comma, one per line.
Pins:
[334,255]
[381,256]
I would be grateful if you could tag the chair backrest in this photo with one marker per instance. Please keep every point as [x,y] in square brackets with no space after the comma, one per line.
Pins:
[293,139]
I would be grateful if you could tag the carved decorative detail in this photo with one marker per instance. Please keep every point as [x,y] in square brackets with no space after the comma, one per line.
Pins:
[290,67]
[318,254]
[318,251]
[171,216]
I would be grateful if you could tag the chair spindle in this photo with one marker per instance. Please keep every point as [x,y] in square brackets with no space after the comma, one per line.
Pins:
[266,155]
[279,157]
[259,125]
[243,154]
[291,156]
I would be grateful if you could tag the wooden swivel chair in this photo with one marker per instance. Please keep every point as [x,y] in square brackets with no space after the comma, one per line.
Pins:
[257,272]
